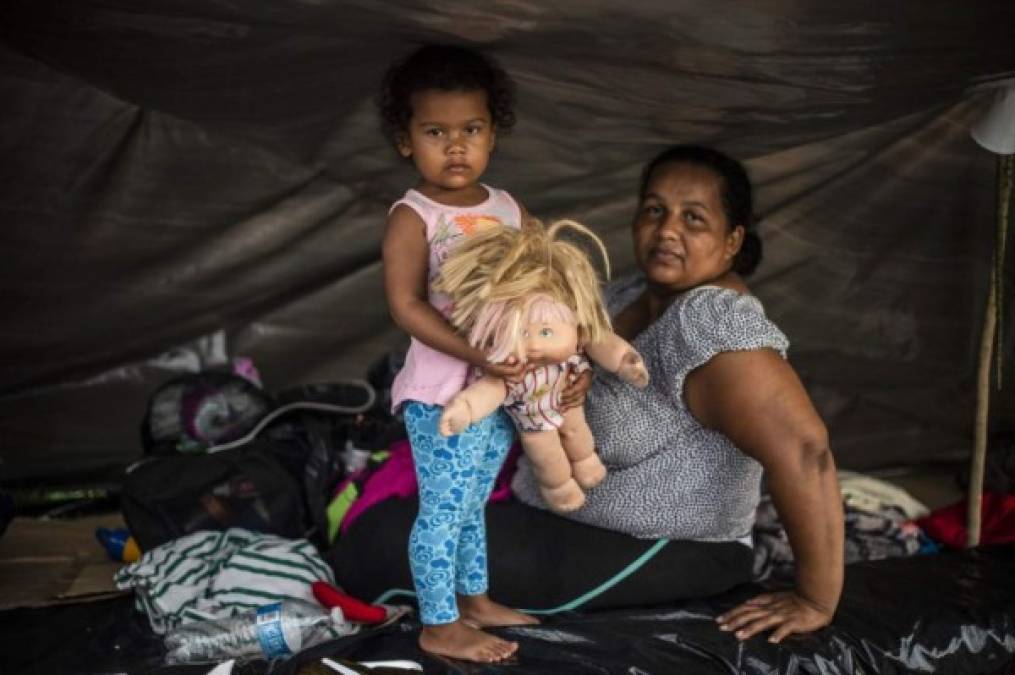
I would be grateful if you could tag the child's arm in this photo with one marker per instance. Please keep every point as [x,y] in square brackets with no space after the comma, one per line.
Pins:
[406,258]
[472,404]
[618,356]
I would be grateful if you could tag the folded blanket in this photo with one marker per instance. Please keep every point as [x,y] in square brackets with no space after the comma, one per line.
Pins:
[869,536]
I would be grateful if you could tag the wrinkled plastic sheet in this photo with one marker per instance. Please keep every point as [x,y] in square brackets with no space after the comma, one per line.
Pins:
[947,613]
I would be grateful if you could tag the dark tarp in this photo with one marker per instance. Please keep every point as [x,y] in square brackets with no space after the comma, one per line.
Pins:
[949,613]
[171,169]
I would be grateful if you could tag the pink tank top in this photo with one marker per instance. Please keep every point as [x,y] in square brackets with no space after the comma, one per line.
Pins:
[430,376]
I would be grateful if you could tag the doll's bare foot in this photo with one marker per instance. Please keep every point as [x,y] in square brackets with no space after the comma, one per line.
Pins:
[565,497]
[460,641]
[632,369]
[482,612]
[588,472]
[456,416]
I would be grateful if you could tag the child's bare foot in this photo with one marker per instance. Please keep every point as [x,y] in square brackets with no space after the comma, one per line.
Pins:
[482,612]
[460,641]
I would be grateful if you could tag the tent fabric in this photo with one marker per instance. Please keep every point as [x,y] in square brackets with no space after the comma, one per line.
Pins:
[176,168]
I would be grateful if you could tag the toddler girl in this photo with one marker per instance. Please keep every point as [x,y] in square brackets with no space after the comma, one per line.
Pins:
[443,107]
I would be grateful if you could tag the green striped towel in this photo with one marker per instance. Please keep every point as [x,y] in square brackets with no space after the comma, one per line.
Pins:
[210,575]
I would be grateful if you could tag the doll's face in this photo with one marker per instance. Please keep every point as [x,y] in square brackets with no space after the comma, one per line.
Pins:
[549,341]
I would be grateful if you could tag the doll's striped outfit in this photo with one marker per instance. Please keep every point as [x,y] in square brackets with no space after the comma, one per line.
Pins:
[533,401]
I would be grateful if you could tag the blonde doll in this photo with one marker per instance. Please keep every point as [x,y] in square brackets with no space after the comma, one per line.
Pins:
[531,295]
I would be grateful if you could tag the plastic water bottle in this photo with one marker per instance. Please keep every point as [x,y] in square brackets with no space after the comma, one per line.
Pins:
[275,631]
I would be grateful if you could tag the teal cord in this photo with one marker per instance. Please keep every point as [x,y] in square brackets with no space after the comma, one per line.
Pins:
[392,593]
[628,570]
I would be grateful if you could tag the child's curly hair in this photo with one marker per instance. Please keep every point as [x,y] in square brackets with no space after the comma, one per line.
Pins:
[447,68]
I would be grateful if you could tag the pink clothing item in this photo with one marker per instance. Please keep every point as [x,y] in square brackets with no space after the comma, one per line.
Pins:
[430,376]
[397,478]
[533,402]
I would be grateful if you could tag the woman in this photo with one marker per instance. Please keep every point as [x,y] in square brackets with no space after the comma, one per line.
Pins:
[685,456]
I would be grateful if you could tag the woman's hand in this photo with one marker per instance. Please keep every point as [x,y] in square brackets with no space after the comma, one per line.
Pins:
[573,395]
[785,612]
[756,400]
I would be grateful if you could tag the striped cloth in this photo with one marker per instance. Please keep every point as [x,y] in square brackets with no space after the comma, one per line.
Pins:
[533,402]
[211,575]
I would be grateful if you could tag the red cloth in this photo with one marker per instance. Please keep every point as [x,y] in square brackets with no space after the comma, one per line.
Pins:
[352,609]
[997,521]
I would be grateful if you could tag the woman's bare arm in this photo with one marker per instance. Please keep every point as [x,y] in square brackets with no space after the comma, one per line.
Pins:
[756,399]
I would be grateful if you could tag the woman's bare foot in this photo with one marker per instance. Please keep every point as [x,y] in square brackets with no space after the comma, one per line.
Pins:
[457,640]
[482,612]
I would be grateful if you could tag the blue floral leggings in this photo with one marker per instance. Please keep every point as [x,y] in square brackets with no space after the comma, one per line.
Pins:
[447,546]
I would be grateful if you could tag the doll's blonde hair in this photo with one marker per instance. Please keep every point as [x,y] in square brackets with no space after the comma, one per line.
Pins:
[502,277]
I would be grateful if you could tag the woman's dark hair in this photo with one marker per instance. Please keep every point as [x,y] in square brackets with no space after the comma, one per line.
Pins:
[447,68]
[734,189]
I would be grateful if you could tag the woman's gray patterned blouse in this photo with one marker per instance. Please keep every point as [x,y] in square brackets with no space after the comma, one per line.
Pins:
[667,476]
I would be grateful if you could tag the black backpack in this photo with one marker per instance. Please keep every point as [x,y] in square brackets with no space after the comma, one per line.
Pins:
[222,453]
[251,487]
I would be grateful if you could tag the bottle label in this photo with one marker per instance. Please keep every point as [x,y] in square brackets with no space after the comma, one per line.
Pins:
[269,631]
